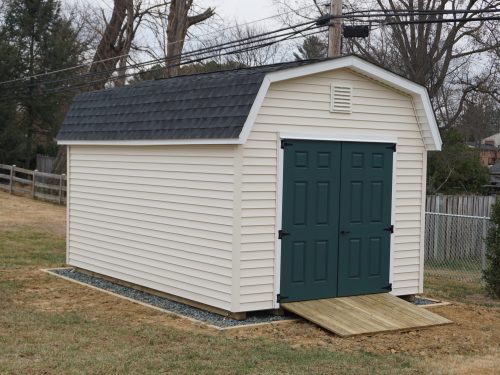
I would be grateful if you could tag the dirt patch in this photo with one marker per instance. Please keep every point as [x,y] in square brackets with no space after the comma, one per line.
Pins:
[20,212]
[475,330]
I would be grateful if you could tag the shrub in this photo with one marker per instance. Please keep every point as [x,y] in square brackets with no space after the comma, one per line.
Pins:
[491,274]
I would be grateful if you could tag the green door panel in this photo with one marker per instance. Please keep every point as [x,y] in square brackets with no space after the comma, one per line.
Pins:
[365,216]
[310,215]
[336,211]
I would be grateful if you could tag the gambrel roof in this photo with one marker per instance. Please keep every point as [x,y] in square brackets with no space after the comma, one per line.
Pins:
[210,108]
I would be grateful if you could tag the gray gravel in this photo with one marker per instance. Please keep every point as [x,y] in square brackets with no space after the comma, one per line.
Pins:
[176,307]
[423,301]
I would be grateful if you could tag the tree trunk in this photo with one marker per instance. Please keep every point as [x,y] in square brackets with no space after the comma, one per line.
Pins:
[111,45]
[178,24]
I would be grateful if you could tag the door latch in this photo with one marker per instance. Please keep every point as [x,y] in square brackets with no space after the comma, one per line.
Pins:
[390,229]
[345,231]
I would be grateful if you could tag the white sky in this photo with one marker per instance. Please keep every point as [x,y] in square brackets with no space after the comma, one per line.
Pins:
[229,12]
[242,10]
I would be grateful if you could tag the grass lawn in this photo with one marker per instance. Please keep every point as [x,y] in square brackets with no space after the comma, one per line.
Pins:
[51,326]
[37,339]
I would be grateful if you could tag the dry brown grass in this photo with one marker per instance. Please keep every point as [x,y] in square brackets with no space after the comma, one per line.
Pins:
[49,325]
[23,213]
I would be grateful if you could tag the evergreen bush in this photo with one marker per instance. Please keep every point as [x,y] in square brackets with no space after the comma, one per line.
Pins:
[491,274]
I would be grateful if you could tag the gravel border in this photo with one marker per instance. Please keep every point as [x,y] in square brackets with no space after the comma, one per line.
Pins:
[219,321]
[422,301]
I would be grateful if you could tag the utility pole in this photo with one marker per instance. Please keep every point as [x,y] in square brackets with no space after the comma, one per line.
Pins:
[335,29]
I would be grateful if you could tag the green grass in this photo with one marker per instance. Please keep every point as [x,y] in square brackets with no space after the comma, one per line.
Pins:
[23,248]
[463,265]
[441,284]
[88,341]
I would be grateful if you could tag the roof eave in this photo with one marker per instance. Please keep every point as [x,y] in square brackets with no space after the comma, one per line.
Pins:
[150,142]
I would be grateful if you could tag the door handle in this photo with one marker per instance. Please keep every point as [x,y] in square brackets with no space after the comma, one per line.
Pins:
[345,231]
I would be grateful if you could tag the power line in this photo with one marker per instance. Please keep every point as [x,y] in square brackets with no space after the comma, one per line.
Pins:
[351,15]
[123,55]
[235,43]
[243,44]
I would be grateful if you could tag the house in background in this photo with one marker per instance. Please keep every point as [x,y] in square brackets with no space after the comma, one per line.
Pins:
[489,150]
[244,189]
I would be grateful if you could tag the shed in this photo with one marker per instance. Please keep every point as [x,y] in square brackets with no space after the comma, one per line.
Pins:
[241,189]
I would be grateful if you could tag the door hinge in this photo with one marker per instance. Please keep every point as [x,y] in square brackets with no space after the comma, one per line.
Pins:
[282,233]
[284,143]
[390,229]
[388,287]
[280,298]
[392,147]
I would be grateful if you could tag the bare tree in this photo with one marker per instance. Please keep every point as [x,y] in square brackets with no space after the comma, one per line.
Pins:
[115,41]
[446,57]
[179,21]
[255,53]
[427,51]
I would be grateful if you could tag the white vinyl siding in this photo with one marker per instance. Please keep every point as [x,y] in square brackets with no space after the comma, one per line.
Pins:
[157,216]
[302,106]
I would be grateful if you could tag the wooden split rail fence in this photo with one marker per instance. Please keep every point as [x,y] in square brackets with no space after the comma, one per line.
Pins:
[40,185]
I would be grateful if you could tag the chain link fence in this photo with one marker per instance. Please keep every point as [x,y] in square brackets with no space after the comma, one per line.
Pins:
[455,246]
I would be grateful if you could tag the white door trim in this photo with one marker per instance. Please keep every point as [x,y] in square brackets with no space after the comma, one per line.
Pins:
[279,189]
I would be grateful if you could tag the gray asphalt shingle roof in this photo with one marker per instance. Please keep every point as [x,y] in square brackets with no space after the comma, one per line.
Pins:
[200,106]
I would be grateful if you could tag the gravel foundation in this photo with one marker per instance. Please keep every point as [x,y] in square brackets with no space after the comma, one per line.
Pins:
[164,303]
[421,301]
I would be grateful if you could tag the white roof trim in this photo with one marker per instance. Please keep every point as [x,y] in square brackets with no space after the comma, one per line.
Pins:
[352,62]
[153,142]
[356,64]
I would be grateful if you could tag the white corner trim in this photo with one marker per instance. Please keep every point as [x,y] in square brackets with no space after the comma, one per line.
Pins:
[68,200]
[392,254]
[279,219]
[422,224]
[431,118]
[254,111]
[155,142]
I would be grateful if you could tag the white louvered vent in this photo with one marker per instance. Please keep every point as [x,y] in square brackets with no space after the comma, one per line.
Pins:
[341,100]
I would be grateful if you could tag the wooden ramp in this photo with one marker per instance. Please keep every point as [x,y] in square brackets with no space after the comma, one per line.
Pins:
[367,314]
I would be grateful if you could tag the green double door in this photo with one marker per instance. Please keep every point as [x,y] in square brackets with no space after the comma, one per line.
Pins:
[336,224]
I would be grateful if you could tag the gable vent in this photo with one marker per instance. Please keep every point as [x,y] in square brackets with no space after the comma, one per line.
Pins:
[341,100]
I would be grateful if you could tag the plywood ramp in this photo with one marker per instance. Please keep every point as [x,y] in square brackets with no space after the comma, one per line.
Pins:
[367,314]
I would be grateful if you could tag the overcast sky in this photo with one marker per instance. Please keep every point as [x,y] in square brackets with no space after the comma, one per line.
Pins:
[242,10]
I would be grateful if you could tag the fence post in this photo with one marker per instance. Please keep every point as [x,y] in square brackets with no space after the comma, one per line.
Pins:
[61,187]
[483,245]
[33,187]
[11,181]
[435,245]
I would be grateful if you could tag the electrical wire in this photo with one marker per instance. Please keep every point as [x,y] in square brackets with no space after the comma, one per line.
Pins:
[123,55]
[288,36]
[251,39]
[259,41]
